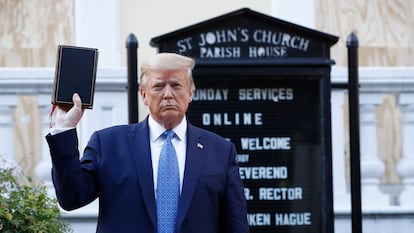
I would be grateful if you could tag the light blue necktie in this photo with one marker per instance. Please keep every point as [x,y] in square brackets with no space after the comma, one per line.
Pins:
[168,186]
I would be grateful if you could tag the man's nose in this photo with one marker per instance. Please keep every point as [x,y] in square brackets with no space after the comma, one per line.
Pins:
[168,91]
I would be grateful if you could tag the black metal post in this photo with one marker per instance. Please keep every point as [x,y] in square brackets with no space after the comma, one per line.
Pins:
[352,45]
[132,46]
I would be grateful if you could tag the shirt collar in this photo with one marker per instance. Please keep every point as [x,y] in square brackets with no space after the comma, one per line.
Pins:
[156,129]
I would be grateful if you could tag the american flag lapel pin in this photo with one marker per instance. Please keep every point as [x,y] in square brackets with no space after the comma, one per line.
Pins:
[199,145]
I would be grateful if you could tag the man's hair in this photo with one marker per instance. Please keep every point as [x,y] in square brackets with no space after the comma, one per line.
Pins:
[168,61]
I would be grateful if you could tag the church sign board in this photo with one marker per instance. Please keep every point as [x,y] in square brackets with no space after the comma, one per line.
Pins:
[264,84]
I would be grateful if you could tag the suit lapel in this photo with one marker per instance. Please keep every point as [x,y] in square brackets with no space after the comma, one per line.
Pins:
[193,163]
[141,155]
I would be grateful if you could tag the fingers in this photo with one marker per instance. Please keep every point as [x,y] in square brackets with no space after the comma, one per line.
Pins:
[69,118]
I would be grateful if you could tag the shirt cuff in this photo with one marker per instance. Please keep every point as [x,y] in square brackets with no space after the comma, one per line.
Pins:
[54,131]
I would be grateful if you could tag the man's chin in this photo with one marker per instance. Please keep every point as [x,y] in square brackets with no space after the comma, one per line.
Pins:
[170,115]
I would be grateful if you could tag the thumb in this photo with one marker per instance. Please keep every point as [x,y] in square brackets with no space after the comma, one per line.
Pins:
[68,118]
[77,101]
[74,115]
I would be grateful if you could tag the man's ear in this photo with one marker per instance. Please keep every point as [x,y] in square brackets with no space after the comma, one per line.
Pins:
[143,96]
[190,96]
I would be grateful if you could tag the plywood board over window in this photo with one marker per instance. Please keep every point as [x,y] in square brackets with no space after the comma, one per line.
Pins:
[385,29]
[31,30]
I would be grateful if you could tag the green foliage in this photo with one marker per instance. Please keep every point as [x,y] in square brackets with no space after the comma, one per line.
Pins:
[27,209]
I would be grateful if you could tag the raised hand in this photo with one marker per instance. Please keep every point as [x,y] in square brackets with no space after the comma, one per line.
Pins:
[69,117]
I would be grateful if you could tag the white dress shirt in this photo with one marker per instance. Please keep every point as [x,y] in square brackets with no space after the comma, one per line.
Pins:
[157,141]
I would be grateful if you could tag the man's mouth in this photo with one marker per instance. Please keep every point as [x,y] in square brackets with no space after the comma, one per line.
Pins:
[169,106]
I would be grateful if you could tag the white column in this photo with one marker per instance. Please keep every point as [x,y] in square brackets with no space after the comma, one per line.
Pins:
[43,168]
[304,11]
[6,135]
[97,26]
[341,195]
[372,167]
[405,166]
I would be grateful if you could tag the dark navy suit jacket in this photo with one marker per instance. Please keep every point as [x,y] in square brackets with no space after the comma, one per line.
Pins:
[116,167]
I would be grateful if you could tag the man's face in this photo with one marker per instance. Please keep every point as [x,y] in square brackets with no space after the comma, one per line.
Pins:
[167,94]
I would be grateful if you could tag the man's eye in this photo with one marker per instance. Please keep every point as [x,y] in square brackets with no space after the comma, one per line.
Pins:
[157,87]
[177,86]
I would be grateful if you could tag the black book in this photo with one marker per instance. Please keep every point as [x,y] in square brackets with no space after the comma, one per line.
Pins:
[75,73]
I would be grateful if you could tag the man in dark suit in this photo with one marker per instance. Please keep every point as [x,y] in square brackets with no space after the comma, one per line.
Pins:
[120,164]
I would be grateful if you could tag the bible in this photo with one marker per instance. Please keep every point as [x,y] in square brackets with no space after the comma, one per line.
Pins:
[75,73]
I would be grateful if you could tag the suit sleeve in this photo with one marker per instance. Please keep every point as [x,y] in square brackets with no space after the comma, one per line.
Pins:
[74,180]
[235,202]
